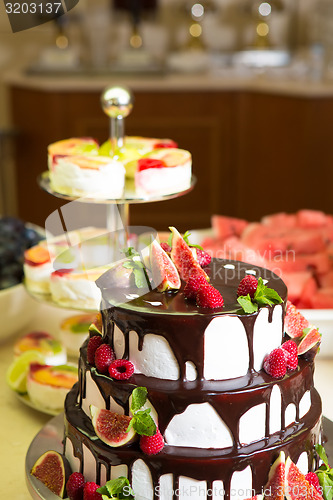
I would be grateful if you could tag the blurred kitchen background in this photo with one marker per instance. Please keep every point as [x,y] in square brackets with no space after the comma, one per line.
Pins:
[245,85]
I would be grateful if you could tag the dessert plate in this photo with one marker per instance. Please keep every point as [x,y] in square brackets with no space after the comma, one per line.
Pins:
[130,195]
[27,401]
[50,438]
[47,299]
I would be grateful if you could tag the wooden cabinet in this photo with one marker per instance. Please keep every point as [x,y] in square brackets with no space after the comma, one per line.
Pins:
[253,153]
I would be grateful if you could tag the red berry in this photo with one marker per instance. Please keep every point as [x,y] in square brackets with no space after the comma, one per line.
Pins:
[93,343]
[193,284]
[290,351]
[90,493]
[121,369]
[165,144]
[248,285]
[145,163]
[312,478]
[209,297]
[275,363]
[104,356]
[151,445]
[75,485]
[203,257]
[166,247]
[294,322]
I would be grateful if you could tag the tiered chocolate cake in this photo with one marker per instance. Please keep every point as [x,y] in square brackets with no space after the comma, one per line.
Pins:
[224,420]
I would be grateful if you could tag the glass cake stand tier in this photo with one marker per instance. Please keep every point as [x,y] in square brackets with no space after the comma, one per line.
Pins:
[50,438]
[130,195]
[47,299]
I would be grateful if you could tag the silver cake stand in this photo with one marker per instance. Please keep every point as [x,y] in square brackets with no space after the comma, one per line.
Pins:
[50,438]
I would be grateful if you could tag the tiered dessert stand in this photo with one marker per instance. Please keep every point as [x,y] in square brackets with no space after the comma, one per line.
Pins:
[117,103]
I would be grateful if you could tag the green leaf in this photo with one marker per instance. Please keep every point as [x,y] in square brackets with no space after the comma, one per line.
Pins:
[140,278]
[130,252]
[327,485]
[139,397]
[246,303]
[186,237]
[129,265]
[143,423]
[321,453]
[170,240]
[117,488]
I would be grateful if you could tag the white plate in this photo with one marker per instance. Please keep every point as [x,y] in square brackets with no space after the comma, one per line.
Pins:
[27,401]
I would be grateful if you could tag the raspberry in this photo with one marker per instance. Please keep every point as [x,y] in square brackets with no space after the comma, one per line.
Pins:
[75,485]
[121,369]
[294,322]
[203,257]
[151,445]
[90,493]
[290,351]
[312,478]
[93,343]
[166,247]
[275,363]
[165,144]
[209,297]
[193,284]
[248,285]
[104,356]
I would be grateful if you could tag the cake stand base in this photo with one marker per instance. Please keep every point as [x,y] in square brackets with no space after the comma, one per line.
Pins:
[50,438]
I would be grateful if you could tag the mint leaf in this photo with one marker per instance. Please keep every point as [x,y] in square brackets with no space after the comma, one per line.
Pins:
[129,265]
[246,303]
[117,488]
[322,453]
[139,397]
[143,423]
[186,236]
[140,278]
[326,484]
[129,252]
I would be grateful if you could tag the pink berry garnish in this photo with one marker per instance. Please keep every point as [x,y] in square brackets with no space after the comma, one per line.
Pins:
[248,285]
[275,363]
[93,344]
[90,493]
[203,257]
[151,445]
[194,283]
[209,297]
[104,356]
[121,369]
[290,350]
[75,485]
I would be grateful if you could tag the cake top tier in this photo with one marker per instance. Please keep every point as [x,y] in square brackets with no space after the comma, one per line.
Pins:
[224,275]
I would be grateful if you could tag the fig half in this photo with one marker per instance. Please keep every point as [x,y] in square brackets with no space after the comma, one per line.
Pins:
[111,427]
[53,470]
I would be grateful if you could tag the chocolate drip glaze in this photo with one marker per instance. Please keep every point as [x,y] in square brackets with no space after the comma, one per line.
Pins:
[183,325]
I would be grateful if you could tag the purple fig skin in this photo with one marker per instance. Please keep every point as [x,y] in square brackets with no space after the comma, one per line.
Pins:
[53,470]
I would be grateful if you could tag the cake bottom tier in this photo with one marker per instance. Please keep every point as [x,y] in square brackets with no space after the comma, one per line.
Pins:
[179,472]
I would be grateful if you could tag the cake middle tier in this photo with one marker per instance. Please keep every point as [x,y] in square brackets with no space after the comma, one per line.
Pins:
[209,414]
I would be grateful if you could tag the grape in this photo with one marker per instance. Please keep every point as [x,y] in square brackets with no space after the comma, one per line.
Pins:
[15,238]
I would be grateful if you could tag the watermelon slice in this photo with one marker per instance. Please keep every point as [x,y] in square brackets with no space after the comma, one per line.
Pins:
[224,226]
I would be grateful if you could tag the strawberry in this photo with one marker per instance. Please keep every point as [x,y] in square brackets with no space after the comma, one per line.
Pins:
[151,445]
[104,356]
[275,363]
[312,478]
[193,284]
[290,351]
[166,144]
[209,297]
[75,485]
[294,322]
[90,493]
[121,369]
[248,285]
[203,257]
[93,343]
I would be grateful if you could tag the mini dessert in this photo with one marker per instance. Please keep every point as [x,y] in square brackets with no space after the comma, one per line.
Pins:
[220,397]
[91,176]
[48,386]
[75,329]
[73,146]
[162,172]
[76,288]
[37,268]
[53,351]
[133,149]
